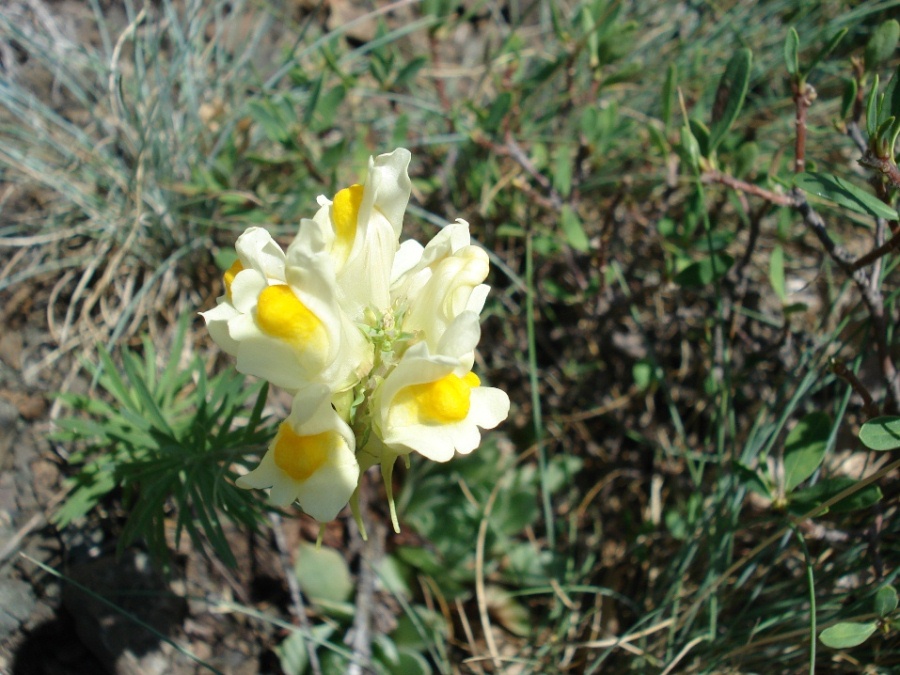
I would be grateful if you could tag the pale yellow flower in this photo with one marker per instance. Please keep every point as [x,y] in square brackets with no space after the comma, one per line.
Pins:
[311,459]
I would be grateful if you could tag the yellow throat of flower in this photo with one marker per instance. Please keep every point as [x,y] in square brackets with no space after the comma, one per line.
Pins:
[282,315]
[230,274]
[443,401]
[345,214]
[301,456]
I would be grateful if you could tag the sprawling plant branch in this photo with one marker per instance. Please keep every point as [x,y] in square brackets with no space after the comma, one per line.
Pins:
[868,283]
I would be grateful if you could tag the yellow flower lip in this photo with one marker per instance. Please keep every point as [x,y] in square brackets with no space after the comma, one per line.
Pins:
[282,315]
[301,456]
[345,214]
[444,401]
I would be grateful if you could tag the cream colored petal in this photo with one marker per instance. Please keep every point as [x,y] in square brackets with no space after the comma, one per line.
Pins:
[489,407]
[328,490]
[271,360]
[407,257]
[245,289]
[464,437]
[257,249]
[461,337]
[217,323]
[387,189]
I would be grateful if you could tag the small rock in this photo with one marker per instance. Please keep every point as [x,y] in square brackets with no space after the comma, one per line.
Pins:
[16,602]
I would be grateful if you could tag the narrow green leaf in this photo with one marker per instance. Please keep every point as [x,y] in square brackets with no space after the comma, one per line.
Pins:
[705,271]
[885,601]
[882,44]
[844,194]
[805,500]
[891,105]
[881,433]
[847,634]
[497,112]
[668,94]
[562,169]
[804,448]
[730,96]
[791,49]
[872,108]
[573,229]
[851,87]
[701,133]
[776,272]
[825,51]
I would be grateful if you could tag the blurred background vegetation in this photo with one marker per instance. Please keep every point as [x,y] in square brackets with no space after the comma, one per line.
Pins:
[689,363]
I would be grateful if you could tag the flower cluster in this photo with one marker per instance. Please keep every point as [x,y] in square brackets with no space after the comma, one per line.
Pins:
[375,340]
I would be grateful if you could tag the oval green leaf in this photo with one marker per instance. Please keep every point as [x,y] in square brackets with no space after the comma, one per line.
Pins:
[805,500]
[844,194]
[882,44]
[791,49]
[881,433]
[847,634]
[323,573]
[885,601]
[776,273]
[730,96]
[805,448]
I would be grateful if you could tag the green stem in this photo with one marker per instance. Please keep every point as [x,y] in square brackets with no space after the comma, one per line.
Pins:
[535,393]
[812,600]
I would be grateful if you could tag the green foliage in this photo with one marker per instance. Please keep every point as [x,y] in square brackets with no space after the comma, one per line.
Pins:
[730,96]
[881,433]
[169,439]
[844,193]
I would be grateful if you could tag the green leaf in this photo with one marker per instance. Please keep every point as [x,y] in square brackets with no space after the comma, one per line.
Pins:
[668,94]
[805,448]
[690,148]
[847,634]
[562,169]
[573,229]
[848,99]
[776,272]
[885,601]
[292,652]
[323,573]
[752,480]
[805,500]
[872,106]
[890,106]
[701,133]
[825,51]
[791,49]
[705,271]
[882,44]
[497,112]
[409,663]
[730,96]
[881,433]
[844,194]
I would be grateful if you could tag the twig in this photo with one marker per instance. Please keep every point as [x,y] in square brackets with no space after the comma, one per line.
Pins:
[804,95]
[480,593]
[870,409]
[372,552]
[299,609]
[882,165]
[749,188]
